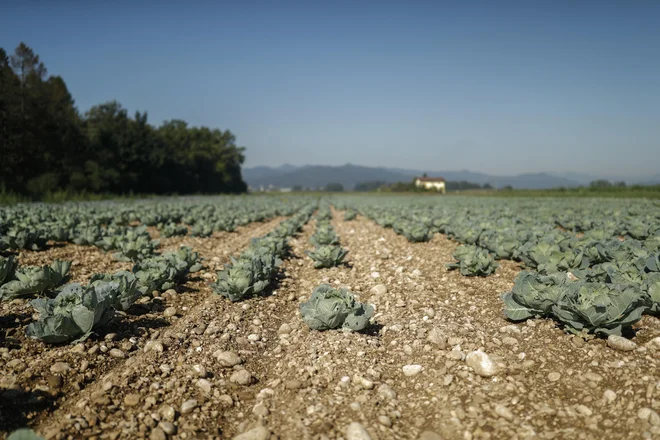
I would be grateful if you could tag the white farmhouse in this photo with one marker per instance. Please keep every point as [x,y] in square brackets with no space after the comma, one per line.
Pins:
[436,183]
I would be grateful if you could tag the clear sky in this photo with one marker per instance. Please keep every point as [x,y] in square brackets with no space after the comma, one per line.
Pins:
[493,86]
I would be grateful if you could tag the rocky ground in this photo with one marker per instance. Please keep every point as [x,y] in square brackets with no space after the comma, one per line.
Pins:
[440,362]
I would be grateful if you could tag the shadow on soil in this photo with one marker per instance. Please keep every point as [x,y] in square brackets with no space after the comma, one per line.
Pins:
[14,320]
[125,330]
[16,405]
[373,329]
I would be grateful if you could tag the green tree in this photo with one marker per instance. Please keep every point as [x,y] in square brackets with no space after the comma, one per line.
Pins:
[334,187]
[47,146]
[600,183]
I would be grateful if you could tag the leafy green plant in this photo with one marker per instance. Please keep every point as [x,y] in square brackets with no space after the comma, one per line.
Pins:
[651,289]
[128,291]
[349,215]
[31,280]
[7,267]
[74,312]
[473,261]
[599,308]
[24,434]
[185,261]
[172,230]
[162,272]
[652,263]
[23,238]
[201,230]
[135,250]
[226,224]
[86,235]
[254,270]
[330,308]
[327,256]
[324,235]
[417,232]
[246,276]
[535,254]
[324,213]
[533,295]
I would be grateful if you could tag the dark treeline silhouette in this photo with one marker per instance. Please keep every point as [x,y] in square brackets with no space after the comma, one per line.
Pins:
[46,145]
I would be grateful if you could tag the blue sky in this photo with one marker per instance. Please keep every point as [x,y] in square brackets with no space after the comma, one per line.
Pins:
[498,87]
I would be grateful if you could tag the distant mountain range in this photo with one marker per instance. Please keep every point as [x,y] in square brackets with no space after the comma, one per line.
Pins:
[318,176]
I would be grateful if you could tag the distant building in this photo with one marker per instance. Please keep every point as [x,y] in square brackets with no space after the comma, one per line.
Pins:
[436,183]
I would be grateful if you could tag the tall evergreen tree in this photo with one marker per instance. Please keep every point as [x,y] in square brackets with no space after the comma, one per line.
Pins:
[46,145]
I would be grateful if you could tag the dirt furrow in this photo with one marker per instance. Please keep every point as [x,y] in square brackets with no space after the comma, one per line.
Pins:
[547,384]
[54,374]
[216,369]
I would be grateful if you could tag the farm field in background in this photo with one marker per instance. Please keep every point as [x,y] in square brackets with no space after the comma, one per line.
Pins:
[332,316]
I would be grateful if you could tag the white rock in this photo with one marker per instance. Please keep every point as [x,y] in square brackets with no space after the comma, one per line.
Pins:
[60,367]
[620,343]
[437,338]
[594,377]
[204,385]
[504,412]
[375,275]
[411,370]
[609,395]
[153,346]
[366,383]
[227,358]
[386,391]
[260,410]
[256,433]
[167,412]
[167,427]
[284,329]
[385,421]
[584,410]
[481,363]
[644,413]
[554,376]
[188,406]
[355,431]
[241,377]
[199,370]
[116,353]
[379,289]
[653,344]
[654,418]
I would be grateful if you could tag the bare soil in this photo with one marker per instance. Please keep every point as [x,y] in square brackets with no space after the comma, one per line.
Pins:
[296,383]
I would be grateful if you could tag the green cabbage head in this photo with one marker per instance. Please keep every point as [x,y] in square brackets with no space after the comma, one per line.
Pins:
[330,308]
[74,312]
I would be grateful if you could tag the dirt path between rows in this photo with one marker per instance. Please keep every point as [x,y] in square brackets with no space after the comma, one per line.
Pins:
[254,368]
[313,385]
[39,377]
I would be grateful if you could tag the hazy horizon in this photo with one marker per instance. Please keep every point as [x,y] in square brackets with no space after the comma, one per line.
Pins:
[500,88]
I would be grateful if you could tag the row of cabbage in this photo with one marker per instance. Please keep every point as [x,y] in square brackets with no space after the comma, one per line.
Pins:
[121,226]
[73,311]
[592,264]
[256,268]
[327,250]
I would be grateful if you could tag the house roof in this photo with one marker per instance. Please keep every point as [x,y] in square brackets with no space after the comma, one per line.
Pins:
[430,179]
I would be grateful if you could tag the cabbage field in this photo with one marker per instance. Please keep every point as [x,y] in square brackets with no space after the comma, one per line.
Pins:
[332,317]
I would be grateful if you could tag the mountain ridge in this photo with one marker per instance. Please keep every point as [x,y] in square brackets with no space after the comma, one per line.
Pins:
[349,175]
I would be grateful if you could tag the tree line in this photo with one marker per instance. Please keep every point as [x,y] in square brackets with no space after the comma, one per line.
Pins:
[47,145]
